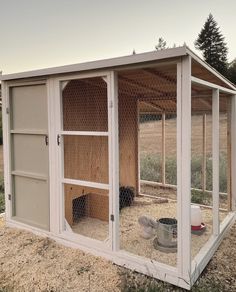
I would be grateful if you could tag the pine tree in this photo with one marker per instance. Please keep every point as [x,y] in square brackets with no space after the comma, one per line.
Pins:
[232,71]
[161,44]
[211,42]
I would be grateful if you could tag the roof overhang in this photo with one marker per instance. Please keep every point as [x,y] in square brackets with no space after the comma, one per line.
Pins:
[122,62]
[102,64]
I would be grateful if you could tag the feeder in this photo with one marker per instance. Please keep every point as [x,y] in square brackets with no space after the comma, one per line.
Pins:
[166,239]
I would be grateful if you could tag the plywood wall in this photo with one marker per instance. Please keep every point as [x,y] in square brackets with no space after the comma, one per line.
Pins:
[86,157]
[128,141]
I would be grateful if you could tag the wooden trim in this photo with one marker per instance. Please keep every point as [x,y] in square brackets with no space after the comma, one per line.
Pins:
[54,186]
[114,160]
[209,68]
[233,151]
[85,183]
[29,132]
[29,175]
[179,171]
[154,183]
[229,166]
[84,133]
[207,84]
[110,103]
[184,173]
[101,64]
[19,83]
[6,149]
[215,160]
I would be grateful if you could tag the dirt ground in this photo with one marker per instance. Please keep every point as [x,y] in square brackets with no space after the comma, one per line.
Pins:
[32,263]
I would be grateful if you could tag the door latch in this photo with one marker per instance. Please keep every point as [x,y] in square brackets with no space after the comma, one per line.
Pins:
[46,140]
[58,140]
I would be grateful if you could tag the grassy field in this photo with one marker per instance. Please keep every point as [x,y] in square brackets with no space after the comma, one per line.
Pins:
[151,151]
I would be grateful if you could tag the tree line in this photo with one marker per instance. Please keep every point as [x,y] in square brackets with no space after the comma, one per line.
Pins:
[211,42]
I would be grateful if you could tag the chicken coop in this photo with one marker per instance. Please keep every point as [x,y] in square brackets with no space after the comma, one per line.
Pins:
[131,158]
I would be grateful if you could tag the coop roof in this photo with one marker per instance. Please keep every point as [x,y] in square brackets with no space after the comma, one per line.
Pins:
[199,67]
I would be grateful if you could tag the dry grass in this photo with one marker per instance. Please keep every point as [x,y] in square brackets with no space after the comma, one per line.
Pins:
[150,136]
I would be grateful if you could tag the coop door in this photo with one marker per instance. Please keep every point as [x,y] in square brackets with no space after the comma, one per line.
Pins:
[29,155]
[85,154]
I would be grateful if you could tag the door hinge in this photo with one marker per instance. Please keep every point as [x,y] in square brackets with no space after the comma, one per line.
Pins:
[58,140]
[7,110]
[9,197]
[112,218]
[111,104]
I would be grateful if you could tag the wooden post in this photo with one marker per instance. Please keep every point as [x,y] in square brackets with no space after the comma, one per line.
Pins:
[215,160]
[204,158]
[229,178]
[163,150]
[114,158]
[184,168]
[233,152]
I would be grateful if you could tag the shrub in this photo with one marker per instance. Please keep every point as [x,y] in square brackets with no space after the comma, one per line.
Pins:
[171,170]
[150,167]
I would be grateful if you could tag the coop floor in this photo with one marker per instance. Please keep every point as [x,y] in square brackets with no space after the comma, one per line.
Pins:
[130,239]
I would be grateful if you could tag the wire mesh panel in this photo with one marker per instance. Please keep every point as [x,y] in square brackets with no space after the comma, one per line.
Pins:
[201,168]
[150,151]
[85,141]
[147,101]
[225,151]
[171,148]
[84,104]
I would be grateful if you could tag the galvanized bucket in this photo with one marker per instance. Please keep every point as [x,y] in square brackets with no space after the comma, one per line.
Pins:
[167,232]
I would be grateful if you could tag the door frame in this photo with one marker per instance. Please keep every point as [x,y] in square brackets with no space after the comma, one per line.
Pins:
[7,146]
[112,134]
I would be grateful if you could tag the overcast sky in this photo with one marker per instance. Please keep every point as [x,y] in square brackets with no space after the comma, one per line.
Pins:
[45,33]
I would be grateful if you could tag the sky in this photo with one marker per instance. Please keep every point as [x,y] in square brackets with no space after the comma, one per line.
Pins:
[45,33]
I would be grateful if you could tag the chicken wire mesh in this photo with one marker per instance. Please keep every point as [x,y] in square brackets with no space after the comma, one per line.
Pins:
[202,163]
[84,104]
[147,97]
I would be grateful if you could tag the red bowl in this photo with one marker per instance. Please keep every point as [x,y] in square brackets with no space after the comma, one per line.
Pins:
[199,227]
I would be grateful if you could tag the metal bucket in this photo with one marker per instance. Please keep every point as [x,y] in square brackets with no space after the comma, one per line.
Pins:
[167,232]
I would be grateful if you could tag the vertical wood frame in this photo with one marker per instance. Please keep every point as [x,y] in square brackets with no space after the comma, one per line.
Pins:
[113,127]
[233,152]
[215,160]
[53,155]
[6,149]
[184,167]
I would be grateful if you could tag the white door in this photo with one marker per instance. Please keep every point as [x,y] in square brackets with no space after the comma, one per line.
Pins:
[29,154]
